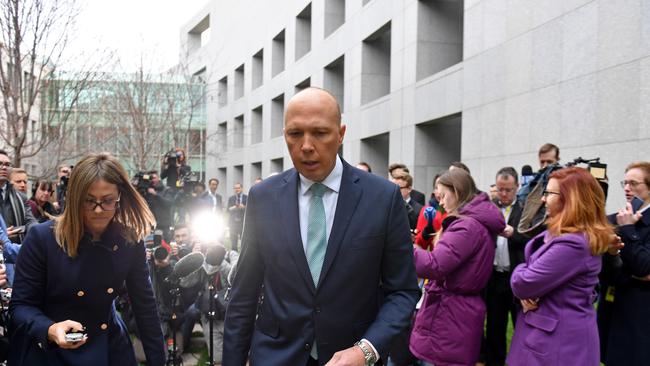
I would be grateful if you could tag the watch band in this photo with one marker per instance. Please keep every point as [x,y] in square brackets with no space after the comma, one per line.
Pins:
[368,354]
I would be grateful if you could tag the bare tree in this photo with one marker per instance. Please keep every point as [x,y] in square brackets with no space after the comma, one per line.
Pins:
[151,113]
[36,100]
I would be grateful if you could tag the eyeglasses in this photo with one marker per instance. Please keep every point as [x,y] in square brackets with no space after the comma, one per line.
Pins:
[5,164]
[109,204]
[545,193]
[631,183]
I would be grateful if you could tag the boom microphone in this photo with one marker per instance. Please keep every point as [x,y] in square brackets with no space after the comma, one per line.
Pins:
[215,255]
[186,265]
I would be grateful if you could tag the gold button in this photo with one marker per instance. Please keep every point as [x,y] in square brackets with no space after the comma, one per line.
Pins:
[103,326]
[110,290]
[115,247]
[80,293]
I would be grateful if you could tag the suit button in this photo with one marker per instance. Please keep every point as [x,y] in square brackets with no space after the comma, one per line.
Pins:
[115,247]
[103,326]
[40,345]
[307,347]
[317,310]
[80,293]
[110,290]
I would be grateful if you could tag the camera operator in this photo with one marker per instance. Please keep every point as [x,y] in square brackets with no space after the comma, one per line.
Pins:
[160,200]
[62,186]
[175,167]
[164,260]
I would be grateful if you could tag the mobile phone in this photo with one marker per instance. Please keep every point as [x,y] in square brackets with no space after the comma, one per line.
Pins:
[74,337]
[636,203]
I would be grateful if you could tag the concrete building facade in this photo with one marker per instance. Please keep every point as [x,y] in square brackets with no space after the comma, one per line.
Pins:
[428,82]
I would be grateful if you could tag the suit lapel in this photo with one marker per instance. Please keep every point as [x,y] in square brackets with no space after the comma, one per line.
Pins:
[349,195]
[288,199]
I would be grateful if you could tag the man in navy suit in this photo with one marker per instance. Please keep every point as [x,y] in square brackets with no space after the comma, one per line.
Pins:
[326,272]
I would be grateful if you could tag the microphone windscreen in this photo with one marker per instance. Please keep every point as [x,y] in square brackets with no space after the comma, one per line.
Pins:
[187,265]
[526,170]
[215,255]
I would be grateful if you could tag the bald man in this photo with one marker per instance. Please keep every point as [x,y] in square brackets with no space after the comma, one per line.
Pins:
[327,249]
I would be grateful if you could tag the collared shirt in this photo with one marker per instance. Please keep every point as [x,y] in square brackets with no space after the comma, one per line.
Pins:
[214,200]
[3,190]
[501,255]
[330,197]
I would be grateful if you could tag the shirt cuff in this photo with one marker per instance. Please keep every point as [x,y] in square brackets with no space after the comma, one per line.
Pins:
[372,347]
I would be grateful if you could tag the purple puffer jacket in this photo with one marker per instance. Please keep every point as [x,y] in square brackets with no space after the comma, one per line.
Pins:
[449,325]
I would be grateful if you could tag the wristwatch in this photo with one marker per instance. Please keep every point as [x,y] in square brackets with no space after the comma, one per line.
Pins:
[368,354]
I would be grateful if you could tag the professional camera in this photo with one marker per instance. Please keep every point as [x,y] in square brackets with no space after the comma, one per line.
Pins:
[142,182]
[172,156]
[155,246]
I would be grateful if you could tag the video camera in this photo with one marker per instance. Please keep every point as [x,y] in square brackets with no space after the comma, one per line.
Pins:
[171,157]
[142,182]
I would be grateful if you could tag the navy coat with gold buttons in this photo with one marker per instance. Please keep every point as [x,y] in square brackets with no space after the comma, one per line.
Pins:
[52,287]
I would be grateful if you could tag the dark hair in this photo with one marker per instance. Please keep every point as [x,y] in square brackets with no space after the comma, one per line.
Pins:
[397,166]
[405,177]
[547,147]
[508,172]
[366,165]
[42,183]
[460,165]
[152,172]
[213,179]
[2,152]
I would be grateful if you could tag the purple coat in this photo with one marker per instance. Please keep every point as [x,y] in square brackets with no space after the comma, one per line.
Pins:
[562,273]
[449,325]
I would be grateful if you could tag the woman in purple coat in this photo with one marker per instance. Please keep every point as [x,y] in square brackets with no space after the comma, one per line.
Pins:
[449,325]
[557,282]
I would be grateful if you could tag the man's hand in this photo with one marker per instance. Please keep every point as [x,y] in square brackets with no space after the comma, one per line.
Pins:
[56,333]
[152,191]
[3,275]
[174,248]
[508,231]
[352,356]
[14,231]
[626,216]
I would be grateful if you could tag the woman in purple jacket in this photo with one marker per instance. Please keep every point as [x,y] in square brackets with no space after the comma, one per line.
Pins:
[556,283]
[449,325]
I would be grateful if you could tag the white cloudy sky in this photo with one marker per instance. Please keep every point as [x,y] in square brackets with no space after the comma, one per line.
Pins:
[133,28]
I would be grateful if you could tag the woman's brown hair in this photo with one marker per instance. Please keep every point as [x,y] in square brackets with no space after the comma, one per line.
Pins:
[132,214]
[583,209]
[459,181]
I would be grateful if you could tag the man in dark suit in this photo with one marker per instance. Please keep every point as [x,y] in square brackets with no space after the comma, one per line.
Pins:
[13,204]
[211,198]
[236,210]
[509,253]
[413,208]
[397,169]
[326,271]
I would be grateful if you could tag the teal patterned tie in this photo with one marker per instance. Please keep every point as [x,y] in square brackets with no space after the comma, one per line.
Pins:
[316,231]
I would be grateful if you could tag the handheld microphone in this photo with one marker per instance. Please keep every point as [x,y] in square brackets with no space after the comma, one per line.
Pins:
[526,174]
[215,255]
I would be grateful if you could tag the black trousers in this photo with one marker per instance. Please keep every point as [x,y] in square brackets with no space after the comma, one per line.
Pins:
[499,302]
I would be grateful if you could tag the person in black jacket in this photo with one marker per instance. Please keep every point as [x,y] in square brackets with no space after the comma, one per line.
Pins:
[626,335]
[509,253]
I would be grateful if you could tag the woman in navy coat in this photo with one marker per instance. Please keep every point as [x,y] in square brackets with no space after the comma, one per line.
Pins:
[557,282]
[70,271]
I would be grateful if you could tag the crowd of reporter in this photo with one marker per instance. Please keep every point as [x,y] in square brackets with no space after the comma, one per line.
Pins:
[577,288]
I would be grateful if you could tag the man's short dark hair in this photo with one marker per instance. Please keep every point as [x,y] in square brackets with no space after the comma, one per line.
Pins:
[460,165]
[397,166]
[213,179]
[180,226]
[405,177]
[152,172]
[366,165]
[508,172]
[547,147]
[2,152]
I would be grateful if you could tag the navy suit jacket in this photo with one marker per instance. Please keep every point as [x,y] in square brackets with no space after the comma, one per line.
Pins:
[367,288]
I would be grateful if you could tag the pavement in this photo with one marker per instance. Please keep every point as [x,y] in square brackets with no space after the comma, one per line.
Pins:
[192,358]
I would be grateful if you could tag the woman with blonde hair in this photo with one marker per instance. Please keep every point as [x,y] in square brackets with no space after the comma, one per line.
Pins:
[449,325]
[556,284]
[70,271]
